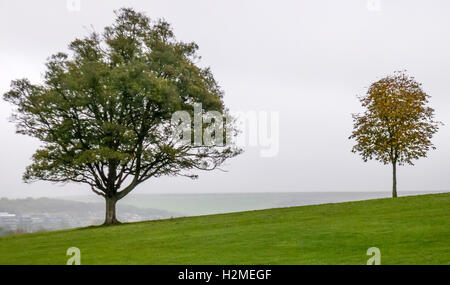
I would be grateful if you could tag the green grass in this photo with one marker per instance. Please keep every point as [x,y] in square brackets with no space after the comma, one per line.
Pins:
[407,230]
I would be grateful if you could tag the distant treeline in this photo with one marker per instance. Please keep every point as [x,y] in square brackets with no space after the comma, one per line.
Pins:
[47,205]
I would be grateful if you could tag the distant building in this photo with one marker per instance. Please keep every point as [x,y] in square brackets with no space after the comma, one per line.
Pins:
[9,221]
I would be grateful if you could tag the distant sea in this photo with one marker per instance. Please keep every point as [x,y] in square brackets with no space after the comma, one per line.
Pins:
[204,204]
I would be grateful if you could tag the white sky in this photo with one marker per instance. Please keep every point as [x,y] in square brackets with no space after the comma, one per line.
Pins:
[305,59]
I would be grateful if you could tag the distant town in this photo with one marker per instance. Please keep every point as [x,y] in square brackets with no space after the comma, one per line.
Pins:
[29,215]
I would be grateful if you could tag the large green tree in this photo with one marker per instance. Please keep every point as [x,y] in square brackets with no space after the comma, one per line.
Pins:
[397,125]
[104,110]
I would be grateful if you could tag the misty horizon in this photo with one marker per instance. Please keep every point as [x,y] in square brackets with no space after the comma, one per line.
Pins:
[305,60]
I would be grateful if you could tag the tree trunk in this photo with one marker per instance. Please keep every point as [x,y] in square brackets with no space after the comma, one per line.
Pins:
[394,179]
[110,218]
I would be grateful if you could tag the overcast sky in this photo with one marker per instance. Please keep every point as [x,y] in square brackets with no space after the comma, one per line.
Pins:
[305,59]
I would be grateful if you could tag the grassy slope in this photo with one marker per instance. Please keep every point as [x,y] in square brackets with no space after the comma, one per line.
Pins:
[408,230]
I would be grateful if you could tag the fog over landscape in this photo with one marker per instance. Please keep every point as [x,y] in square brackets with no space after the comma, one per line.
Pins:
[306,60]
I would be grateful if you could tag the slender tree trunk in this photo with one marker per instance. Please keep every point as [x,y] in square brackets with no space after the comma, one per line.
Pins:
[110,218]
[394,179]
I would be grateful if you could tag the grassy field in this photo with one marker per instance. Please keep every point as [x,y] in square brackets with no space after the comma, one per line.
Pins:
[407,230]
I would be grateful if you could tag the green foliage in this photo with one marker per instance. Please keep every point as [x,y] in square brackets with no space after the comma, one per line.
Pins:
[103,112]
[407,230]
[397,125]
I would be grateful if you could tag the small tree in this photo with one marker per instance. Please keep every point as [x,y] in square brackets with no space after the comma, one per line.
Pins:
[397,125]
[104,112]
